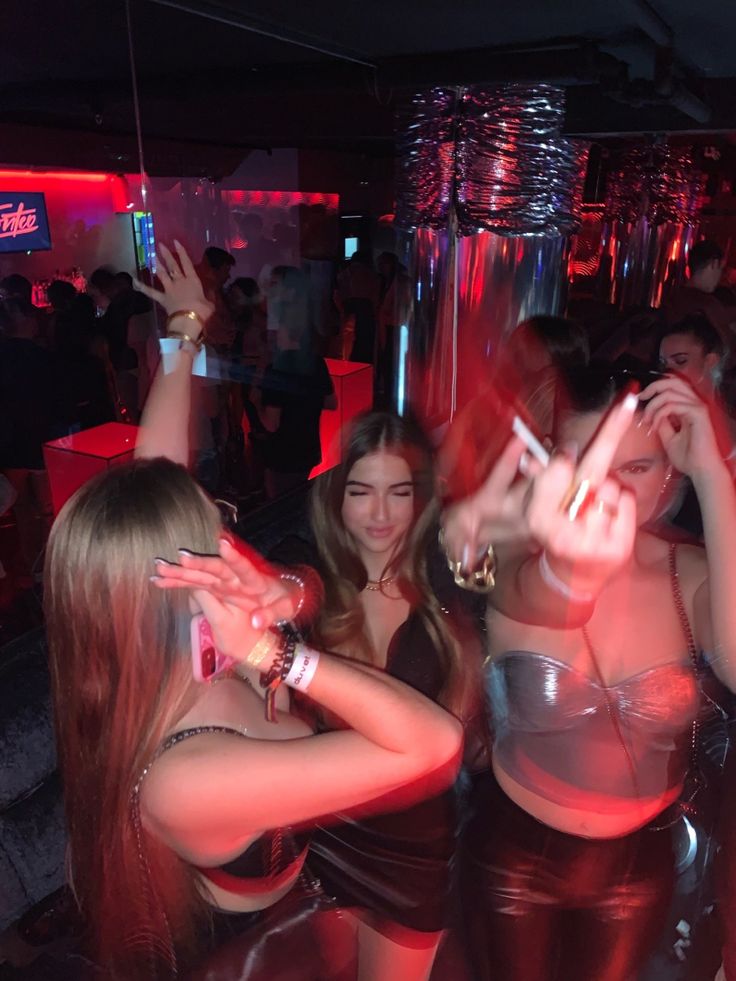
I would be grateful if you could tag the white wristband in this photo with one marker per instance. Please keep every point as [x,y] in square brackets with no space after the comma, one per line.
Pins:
[303,668]
[554,582]
[170,347]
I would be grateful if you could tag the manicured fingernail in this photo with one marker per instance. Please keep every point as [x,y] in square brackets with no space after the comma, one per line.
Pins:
[184,551]
[465,560]
[256,622]
[155,578]
[525,463]
[631,402]
[159,561]
[226,541]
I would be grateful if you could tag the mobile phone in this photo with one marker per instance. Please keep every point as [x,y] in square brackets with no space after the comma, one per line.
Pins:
[207,661]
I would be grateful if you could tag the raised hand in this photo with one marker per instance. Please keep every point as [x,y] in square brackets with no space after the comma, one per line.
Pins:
[683,422]
[580,515]
[182,287]
[238,577]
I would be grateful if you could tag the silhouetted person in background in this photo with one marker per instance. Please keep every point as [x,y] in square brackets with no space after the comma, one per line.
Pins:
[697,295]
[28,418]
[214,270]
[261,253]
[85,396]
[296,388]
[16,287]
[357,296]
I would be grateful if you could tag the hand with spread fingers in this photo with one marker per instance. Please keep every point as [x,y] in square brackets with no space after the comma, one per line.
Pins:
[237,578]
[182,287]
[683,422]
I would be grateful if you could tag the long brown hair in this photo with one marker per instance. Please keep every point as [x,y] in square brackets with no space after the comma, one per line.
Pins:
[341,623]
[121,678]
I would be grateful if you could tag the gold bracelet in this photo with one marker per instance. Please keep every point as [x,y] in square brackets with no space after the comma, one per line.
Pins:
[185,315]
[479,580]
[265,645]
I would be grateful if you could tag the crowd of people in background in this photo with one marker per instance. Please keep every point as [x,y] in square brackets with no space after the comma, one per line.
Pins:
[89,357]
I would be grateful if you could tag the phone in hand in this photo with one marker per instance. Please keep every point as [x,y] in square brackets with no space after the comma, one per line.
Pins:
[207,661]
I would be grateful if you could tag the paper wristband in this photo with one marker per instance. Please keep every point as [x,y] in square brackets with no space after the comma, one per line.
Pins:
[303,668]
[169,347]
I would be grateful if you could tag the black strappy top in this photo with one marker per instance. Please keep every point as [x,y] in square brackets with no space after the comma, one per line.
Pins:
[268,862]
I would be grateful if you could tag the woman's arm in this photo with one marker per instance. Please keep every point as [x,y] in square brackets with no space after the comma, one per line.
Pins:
[164,429]
[684,424]
[245,786]
[715,599]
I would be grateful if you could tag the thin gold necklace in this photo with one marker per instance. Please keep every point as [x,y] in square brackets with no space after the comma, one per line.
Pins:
[376,585]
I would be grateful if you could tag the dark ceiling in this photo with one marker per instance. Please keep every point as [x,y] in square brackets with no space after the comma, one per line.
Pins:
[317,73]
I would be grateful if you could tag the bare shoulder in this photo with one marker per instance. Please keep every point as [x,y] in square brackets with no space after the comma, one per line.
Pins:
[178,802]
[174,776]
[692,564]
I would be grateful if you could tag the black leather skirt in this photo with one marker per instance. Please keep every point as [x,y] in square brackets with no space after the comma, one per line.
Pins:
[396,867]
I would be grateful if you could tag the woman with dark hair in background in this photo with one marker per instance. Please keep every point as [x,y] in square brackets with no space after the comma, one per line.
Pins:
[374,521]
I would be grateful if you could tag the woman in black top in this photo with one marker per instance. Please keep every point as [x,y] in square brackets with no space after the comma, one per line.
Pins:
[374,520]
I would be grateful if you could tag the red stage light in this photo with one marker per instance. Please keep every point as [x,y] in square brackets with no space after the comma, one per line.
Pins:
[54,175]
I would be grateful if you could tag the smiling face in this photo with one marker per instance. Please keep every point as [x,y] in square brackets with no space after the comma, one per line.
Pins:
[640,463]
[378,504]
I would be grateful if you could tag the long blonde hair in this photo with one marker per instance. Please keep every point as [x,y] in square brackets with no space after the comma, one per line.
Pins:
[121,679]
[341,623]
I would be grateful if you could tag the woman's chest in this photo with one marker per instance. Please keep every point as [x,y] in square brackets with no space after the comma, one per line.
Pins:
[384,616]
[635,626]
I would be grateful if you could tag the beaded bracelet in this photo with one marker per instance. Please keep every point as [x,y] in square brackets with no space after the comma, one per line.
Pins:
[312,593]
[282,665]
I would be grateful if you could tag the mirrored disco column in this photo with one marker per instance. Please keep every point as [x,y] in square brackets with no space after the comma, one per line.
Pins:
[653,202]
[490,191]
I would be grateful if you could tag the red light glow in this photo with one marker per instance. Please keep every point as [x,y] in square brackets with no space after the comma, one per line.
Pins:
[281,199]
[53,175]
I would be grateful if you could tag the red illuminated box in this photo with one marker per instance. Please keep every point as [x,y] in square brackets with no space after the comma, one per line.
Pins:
[353,383]
[72,460]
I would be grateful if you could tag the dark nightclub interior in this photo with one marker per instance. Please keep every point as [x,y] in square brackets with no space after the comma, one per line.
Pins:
[368,491]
